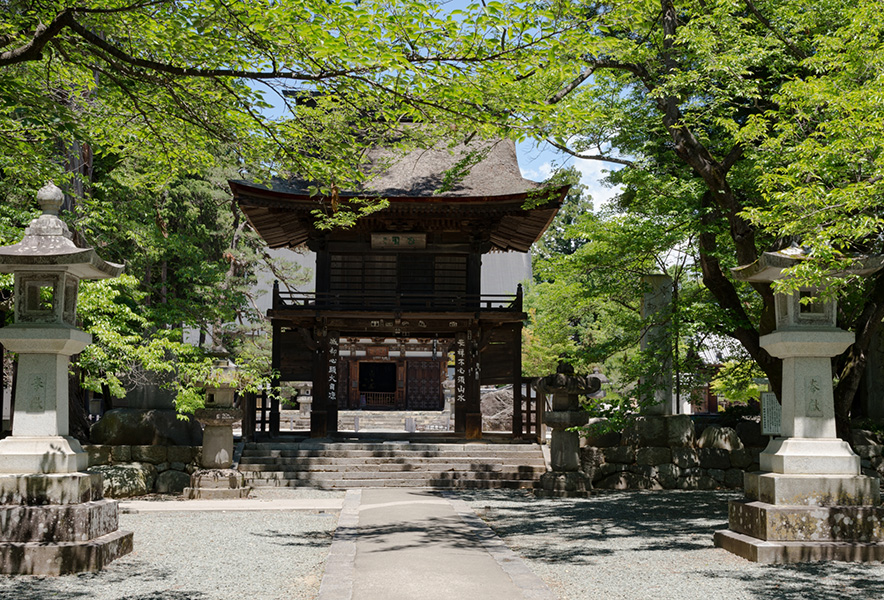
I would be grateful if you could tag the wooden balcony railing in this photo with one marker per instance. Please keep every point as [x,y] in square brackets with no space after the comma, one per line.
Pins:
[293,300]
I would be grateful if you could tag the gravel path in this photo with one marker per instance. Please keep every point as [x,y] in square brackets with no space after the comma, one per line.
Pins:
[266,555]
[655,545]
[635,545]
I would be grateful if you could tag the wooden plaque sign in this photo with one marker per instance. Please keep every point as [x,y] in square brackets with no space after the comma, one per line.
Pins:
[398,241]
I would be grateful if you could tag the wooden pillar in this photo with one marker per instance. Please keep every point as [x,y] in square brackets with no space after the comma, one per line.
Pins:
[276,344]
[460,381]
[473,425]
[318,410]
[335,381]
[326,384]
[516,344]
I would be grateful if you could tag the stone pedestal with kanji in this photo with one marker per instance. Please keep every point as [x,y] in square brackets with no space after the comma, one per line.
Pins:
[53,518]
[810,501]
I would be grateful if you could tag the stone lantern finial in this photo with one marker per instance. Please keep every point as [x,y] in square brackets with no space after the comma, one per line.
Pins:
[50,198]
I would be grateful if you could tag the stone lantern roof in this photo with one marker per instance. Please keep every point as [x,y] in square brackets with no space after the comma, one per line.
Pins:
[770,266]
[48,244]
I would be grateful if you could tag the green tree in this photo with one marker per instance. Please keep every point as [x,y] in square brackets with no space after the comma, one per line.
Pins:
[740,127]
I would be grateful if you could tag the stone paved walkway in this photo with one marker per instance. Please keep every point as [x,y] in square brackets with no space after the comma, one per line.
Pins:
[394,544]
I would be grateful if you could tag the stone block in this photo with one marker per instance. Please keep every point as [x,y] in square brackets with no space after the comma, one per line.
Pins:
[651,430]
[765,552]
[603,440]
[723,438]
[807,523]
[163,466]
[706,482]
[862,437]
[36,489]
[171,482]
[749,432]
[717,474]
[619,454]
[714,458]
[182,454]
[733,478]
[178,466]
[667,475]
[812,490]
[644,470]
[133,426]
[679,431]
[868,452]
[63,558]
[126,480]
[58,522]
[98,455]
[685,458]
[149,454]
[628,481]
[121,454]
[590,460]
[741,458]
[653,456]
[608,469]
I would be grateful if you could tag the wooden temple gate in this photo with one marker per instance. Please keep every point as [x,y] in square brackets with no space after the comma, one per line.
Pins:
[398,299]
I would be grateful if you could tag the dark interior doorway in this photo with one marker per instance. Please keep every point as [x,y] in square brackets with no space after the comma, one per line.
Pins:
[377,377]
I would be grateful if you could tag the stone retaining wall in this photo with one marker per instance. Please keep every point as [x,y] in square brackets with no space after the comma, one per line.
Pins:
[671,452]
[138,470]
[674,452]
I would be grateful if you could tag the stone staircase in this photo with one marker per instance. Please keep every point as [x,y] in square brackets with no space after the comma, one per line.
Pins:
[330,464]
[377,420]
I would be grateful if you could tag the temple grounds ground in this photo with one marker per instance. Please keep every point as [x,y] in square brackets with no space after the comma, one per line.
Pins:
[654,545]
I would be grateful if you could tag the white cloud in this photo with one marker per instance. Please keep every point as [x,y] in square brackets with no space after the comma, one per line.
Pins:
[538,163]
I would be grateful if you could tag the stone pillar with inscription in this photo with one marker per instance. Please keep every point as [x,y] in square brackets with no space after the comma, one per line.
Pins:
[655,302]
[53,518]
[810,501]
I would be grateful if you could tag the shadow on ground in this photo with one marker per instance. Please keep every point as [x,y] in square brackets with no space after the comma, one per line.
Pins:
[622,530]
[43,588]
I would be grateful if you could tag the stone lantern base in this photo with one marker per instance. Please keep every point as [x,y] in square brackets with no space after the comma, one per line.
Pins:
[58,524]
[216,480]
[806,518]
[559,484]
[217,484]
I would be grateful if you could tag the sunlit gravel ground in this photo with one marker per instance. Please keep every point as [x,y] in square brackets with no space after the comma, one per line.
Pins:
[261,555]
[654,545]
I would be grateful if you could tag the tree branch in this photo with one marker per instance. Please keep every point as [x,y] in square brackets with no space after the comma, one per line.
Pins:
[599,157]
[584,75]
[796,52]
[34,48]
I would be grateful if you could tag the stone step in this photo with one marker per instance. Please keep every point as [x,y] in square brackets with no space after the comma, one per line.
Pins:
[533,470]
[438,483]
[392,462]
[331,464]
[378,456]
[387,448]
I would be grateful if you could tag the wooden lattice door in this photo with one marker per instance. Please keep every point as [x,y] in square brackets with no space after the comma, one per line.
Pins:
[423,385]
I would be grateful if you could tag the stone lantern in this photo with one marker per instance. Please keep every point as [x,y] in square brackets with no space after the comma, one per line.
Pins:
[53,518]
[810,500]
[217,479]
[565,477]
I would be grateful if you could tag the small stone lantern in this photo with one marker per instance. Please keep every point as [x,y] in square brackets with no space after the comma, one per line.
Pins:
[565,477]
[217,480]
[810,500]
[53,518]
